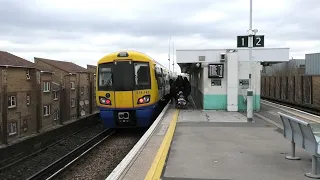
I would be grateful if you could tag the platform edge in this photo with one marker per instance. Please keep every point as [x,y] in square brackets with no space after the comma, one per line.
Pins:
[159,160]
[128,160]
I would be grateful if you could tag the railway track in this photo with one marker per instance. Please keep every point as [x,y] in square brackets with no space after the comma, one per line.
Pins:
[310,110]
[7,163]
[64,162]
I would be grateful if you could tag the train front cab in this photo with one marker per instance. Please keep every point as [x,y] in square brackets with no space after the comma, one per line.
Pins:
[125,96]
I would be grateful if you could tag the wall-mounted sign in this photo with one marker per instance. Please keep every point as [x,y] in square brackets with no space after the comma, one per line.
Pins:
[215,82]
[215,70]
[244,83]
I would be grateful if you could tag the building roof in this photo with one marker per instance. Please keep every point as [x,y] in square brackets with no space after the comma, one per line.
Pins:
[91,68]
[63,65]
[8,59]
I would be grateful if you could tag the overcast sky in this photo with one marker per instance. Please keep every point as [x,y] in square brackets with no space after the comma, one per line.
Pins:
[83,31]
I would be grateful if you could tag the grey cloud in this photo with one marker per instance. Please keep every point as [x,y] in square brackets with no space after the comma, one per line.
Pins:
[171,22]
[22,22]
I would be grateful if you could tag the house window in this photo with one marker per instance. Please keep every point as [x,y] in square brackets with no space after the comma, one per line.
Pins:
[56,115]
[12,128]
[55,95]
[72,85]
[73,103]
[46,86]
[28,74]
[12,101]
[28,99]
[46,110]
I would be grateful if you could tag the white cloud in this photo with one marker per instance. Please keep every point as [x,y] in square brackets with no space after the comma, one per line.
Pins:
[83,31]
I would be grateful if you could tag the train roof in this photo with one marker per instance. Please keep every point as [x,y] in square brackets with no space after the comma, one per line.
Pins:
[144,56]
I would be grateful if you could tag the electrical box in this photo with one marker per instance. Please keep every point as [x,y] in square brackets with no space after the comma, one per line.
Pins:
[215,82]
[244,83]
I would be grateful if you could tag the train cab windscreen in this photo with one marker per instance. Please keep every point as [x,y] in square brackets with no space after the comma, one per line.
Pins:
[124,76]
[142,76]
[105,82]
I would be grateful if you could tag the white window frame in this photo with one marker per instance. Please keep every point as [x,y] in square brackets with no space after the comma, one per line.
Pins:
[28,99]
[28,74]
[46,112]
[13,101]
[12,128]
[46,86]
[72,85]
[55,95]
[74,102]
[56,115]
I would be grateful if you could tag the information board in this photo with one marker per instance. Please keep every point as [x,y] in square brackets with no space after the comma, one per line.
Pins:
[215,70]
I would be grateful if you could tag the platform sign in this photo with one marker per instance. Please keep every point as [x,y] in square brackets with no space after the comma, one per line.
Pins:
[215,70]
[243,41]
[258,41]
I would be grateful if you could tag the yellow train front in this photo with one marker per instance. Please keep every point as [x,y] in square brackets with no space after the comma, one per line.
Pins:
[130,86]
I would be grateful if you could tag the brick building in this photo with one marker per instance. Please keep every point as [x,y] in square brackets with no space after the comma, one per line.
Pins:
[24,110]
[93,70]
[76,87]
[50,99]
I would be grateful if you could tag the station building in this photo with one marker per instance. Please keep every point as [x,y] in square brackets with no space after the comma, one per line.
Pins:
[220,77]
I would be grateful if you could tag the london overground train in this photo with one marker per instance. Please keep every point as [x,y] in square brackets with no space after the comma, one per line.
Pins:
[130,88]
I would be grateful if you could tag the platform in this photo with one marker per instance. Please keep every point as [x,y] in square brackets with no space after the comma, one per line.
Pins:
[217,145]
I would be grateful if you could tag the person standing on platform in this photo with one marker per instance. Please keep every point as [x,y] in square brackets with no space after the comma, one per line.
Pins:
[172,90]
[187,88]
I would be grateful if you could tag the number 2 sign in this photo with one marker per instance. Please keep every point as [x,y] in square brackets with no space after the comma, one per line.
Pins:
[258,41]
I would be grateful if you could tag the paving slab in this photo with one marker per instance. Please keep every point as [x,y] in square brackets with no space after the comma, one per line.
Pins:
[219,145]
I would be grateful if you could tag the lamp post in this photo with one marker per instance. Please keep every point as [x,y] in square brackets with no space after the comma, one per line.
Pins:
[169,52]
[173,57]
[251,73]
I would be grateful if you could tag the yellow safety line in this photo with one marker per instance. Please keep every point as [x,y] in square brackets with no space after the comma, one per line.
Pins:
[155,171]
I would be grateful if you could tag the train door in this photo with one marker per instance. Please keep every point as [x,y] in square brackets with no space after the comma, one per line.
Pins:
[123,83]
[163,82]
[158,78]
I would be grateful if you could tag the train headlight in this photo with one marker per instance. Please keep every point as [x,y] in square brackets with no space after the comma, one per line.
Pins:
[104,100]
[144,99]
